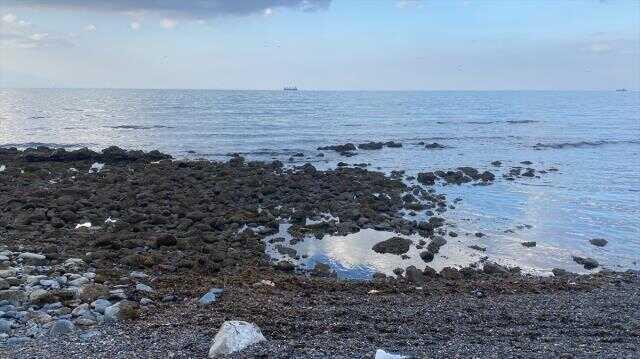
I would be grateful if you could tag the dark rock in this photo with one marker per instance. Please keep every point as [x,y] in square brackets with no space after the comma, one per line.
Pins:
[450,273]
[427,178]
[426,256]
[599,242]
[414,276]
[434,145]
[393,245]
[494,268]
[528,244]
[587,263]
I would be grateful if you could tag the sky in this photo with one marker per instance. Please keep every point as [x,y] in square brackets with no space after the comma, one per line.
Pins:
[321,44]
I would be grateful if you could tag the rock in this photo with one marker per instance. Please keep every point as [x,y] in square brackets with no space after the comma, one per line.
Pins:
[323,270]
[32,258]
[166,239]
[5,326]
[426,256]
[414,276]
[211,296]
[100,305]
[559,272]
[40,296]
[494,268]
[393,245]
[381,354]
[285,266]
[120,311]
[4,284]
[145,301]
[234,336]
[8,272]
[79,282]
[528,244]
[587,263]
[15,297]
[599,242]
[478,248]
[16,341]
[61,327]
[450,273]
[144,288]
[427,178]
[138,275]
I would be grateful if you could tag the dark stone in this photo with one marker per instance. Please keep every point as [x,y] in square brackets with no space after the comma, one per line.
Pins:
[414,276]
[528,244]
[599,242]
[587,263]
[393,245]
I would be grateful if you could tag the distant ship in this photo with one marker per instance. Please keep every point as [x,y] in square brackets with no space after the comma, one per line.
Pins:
[621,90]
[290,88]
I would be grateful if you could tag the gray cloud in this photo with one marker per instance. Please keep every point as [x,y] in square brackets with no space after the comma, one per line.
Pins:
[175,8]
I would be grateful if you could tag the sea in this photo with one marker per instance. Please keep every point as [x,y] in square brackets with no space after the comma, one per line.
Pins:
[591,137]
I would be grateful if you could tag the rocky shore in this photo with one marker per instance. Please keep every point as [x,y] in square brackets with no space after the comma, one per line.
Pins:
[131,254]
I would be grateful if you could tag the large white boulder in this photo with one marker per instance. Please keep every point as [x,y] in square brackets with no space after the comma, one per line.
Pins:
[234,336]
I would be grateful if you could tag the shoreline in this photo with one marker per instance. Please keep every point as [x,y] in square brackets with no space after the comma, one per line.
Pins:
[192,225]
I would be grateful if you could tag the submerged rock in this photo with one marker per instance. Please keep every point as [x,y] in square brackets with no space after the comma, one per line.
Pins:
[587,263]
[599,242]
[234,336]
[393,245]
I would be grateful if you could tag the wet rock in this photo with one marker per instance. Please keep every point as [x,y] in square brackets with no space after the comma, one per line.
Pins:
[478,248]
[497,163]
[559,272]
[528,244]
[285,266]
[450,273]
[414,276]
[284,250]
[434,145]
[599,242]
[371,146]
[427,178]
[587,263]
[234,336]
[211,296]
[393,245]
[426,256]
[323,270]
[494,268]
[61,327]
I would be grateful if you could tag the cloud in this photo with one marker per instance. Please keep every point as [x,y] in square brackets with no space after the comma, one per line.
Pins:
[90,28]
[168,23]
[134,26]
[20,34]
[175,8]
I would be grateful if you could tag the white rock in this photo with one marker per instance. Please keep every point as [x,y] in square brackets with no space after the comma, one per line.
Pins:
[32,257]
[114,312]
[234,336]
[381,354]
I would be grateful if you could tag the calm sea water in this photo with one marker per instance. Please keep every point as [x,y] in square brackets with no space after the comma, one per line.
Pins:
[593,138]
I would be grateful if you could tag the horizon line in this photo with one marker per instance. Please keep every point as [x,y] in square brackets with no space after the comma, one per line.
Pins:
[312,90]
